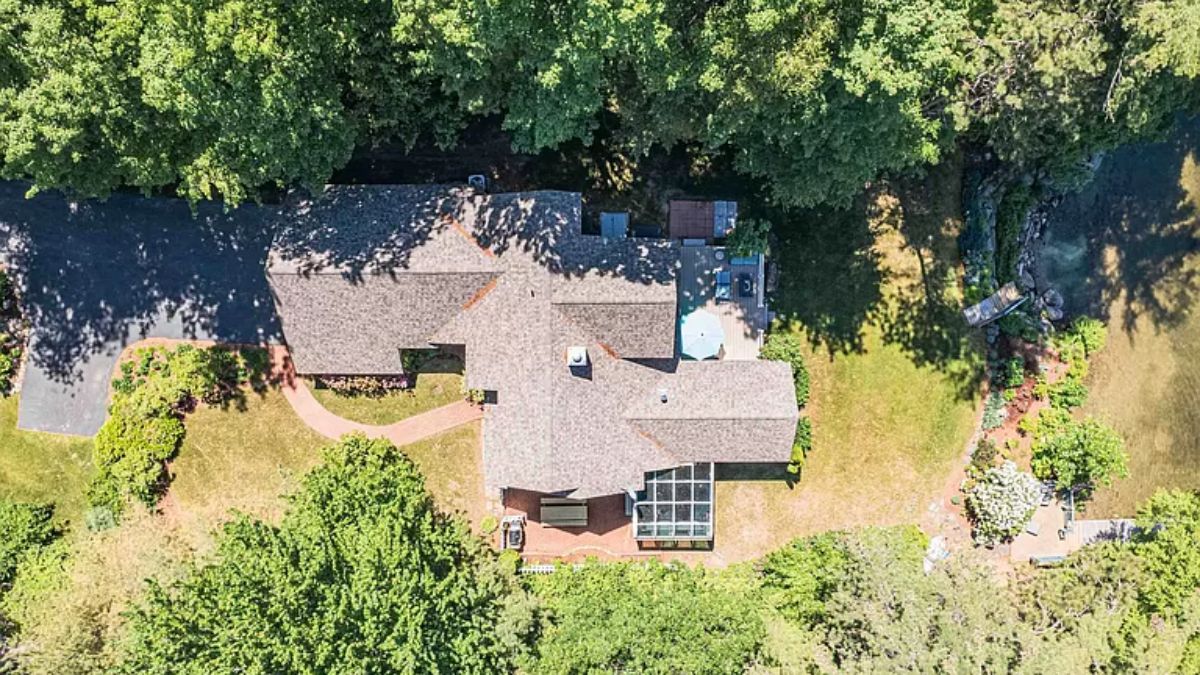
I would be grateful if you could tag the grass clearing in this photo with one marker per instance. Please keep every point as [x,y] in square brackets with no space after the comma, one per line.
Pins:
[241,459]
[40,467]
[453,466]
[440,383]
[894,370]
[1139,224]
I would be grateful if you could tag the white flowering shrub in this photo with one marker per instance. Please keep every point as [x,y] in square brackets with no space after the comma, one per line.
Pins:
[1002,502]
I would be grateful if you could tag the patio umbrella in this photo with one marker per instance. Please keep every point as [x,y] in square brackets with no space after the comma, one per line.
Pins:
[701,335]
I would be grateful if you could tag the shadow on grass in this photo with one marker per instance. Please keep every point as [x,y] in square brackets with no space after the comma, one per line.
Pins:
[890,261]
[830,275]
[924,314]
[1121,244]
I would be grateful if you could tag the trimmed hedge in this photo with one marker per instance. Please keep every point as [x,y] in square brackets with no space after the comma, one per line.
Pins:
[787,347]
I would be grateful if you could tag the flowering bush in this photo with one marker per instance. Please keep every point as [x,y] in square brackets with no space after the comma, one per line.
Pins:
[1002,502]
[362,385]
[994,411]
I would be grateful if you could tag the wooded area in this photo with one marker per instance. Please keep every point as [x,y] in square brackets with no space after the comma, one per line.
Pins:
[221,98]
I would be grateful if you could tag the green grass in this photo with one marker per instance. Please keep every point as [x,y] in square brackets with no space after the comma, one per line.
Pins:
[43,467]
[432,390]
[453,466]
[242,459]
[1140,226]
[247,460]
[894,371]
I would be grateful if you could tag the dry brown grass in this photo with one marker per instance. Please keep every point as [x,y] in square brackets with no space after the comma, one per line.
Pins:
[1146,382]
[890,418]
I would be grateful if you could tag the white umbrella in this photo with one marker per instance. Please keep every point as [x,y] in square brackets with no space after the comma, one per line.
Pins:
[701,335]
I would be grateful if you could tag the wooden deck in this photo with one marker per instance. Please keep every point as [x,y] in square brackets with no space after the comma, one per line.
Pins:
[741,317]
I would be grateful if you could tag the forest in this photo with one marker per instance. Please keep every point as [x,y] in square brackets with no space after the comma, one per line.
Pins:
[221,99]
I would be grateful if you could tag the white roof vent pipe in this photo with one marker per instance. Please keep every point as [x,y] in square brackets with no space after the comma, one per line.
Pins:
[662,395]
[577,357]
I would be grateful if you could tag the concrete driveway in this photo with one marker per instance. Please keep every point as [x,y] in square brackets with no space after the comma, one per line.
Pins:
[97,276]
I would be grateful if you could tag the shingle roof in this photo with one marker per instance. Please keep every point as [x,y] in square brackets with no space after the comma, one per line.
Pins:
[512,278]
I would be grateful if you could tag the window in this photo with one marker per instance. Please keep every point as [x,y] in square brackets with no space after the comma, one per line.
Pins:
[676,504]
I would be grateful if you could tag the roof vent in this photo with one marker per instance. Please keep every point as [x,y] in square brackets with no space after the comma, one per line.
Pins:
[662,395]
[577,357]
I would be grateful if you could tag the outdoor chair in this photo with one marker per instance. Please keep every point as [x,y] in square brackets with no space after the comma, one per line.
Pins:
[724,284]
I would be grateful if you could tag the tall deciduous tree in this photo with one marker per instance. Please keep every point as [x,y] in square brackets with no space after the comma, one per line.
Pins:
[363,575]
[553,69]
[1055,80]
[818,98]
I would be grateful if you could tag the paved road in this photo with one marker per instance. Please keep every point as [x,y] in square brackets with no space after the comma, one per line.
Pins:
[96,276]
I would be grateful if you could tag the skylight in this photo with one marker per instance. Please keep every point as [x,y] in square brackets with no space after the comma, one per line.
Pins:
[675,505]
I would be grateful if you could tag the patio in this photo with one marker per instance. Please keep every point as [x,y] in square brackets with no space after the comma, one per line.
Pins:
[742,315]
[608,534]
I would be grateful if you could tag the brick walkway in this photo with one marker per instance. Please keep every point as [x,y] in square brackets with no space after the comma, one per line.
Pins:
[410,430]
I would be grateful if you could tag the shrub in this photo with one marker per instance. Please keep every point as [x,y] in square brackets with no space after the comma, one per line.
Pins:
[984,455]
[1076,453]
[801,445]
[1067,394]
[362,385]
[786,346]
[1090,334]
[145,427]
[489,524]
[1001,503]
[1012,372]
[23,527]
[129,451]
[994,411]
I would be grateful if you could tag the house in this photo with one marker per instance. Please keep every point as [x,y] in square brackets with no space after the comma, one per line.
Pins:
[573,337]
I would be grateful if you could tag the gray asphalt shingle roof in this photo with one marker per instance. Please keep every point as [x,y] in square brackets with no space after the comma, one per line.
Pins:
[366,271]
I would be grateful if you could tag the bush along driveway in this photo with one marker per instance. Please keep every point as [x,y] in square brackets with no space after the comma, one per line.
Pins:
[95,277]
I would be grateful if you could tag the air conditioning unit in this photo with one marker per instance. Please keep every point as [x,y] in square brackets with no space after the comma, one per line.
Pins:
[577,357]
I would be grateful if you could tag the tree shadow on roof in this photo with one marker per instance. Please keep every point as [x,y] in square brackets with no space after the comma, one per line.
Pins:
[355,230]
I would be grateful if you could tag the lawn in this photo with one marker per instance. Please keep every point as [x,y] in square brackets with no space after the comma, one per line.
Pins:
[247,460]
[242,458]
[894,371]
[1138,226]
[453,466]
[440,383]
[42,467]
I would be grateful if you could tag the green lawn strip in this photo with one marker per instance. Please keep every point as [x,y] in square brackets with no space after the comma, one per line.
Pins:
[432,390]
[452,463]
[43,467]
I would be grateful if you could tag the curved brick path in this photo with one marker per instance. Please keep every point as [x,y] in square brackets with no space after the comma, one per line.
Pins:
[409,430]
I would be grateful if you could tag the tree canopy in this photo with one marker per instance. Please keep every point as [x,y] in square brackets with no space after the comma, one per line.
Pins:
[811,99]
[646,617]
[362,575]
